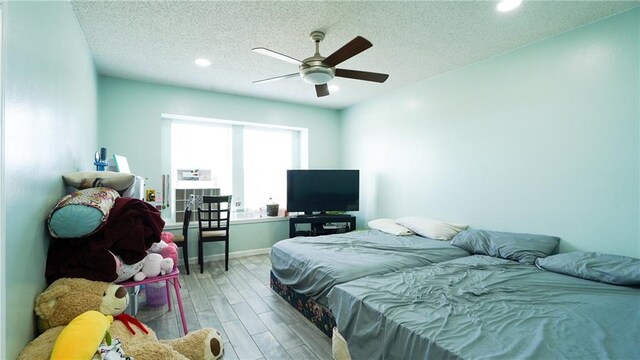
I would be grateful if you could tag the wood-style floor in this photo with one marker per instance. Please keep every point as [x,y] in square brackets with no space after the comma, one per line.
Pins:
[254,321]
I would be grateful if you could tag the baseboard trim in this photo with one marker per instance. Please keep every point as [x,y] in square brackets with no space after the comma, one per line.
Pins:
[232,255]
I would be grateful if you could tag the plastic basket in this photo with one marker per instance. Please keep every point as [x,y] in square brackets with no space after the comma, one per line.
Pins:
[156,293]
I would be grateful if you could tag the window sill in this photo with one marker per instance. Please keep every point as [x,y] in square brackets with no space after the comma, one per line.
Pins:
[194,224]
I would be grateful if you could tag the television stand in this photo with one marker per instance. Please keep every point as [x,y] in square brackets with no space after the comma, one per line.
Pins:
[323,214]
[321,225]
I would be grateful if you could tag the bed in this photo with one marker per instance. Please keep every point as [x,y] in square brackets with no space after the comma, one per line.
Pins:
[481,307]
[305,269]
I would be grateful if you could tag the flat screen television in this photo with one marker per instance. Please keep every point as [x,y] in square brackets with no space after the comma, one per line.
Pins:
[323,190]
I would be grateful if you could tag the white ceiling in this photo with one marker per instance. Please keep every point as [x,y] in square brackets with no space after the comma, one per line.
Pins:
[412,41]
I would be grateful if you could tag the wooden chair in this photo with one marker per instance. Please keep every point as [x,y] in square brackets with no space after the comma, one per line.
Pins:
[213,225]
[183,240]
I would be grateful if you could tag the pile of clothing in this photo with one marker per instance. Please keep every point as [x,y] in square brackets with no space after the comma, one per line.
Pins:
[99,235]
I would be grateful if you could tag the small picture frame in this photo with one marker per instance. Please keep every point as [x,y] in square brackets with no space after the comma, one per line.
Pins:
[150,195]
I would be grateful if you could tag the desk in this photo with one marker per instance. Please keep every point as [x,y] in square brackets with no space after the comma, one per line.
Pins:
[170,278]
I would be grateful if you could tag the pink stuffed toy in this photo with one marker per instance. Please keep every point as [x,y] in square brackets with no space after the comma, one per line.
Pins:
[167,237]
[171,252]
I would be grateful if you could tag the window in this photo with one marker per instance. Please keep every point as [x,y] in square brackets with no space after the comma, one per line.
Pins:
[202,146]
[247,160]
[267,156]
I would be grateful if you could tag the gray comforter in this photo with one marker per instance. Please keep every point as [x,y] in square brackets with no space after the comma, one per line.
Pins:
[486,308]
[313,265]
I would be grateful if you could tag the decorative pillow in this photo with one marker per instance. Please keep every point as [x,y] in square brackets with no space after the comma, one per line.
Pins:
[81,213]
[431,228]
[109,179]
[607,268]
[524,248]
[389,226]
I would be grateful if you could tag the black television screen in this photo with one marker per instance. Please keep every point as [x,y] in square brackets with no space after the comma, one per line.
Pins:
[323,190]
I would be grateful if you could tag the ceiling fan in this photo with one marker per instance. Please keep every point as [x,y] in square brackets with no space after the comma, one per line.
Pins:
[319,70]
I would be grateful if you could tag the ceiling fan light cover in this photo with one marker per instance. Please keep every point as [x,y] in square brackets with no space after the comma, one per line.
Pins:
[317,75]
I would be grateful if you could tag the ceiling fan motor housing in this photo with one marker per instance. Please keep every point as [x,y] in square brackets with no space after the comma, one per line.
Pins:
[314,71]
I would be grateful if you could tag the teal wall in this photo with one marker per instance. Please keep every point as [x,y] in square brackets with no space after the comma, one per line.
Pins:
[543,139]
[51,128]
[130,125]
[243,238]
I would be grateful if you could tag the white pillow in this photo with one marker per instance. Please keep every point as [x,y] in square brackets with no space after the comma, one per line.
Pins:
[389,226]
[431,228]
[90,179]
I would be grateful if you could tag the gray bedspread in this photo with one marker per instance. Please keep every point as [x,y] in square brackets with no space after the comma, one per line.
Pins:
[486,308]
[313,265]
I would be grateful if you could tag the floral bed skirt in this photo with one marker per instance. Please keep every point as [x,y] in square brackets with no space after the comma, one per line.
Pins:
[319,315]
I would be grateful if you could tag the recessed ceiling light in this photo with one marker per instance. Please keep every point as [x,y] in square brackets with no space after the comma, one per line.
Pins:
[508,5]
[203,62]
[334,88]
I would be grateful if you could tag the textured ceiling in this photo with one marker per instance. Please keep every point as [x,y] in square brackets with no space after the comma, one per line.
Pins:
[412,41]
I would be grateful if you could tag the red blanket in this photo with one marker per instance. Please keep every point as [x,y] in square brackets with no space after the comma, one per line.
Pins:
[132,226]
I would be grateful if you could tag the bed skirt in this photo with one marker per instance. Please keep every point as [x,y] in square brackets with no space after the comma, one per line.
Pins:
[318,314]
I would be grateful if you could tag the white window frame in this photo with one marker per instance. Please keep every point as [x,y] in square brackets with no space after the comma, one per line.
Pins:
[300,154]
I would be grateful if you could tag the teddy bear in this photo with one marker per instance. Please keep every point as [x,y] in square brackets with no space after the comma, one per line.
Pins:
[67,298]
[154,265]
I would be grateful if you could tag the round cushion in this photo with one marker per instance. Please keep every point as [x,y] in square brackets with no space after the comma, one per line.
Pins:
[81,213]
[65,222]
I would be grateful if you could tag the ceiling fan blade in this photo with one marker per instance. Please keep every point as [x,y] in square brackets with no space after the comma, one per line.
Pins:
[277,55]
[362,75]
[349,50]
[276,78]
[322,90]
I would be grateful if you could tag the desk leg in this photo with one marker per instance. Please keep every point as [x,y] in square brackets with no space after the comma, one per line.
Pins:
[176,287]
[168,294]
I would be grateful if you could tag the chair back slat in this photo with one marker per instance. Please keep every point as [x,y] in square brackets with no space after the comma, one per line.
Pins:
[214,213]
[185,222]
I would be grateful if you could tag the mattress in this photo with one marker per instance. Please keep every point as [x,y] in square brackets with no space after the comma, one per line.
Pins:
[313,265]
[480,308]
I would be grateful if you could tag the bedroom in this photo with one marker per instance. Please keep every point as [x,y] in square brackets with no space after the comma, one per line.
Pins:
[542,139]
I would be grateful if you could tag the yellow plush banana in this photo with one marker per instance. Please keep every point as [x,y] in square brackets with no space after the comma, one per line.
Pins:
[81,338]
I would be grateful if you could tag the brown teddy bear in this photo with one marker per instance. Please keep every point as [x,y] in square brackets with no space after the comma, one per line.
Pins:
[67,298]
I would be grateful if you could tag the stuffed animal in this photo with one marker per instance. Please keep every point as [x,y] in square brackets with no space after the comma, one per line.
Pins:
[67,298]
[157,247]
[171,252]
[83,335]
[154,265]
[126,271]
[167,237]
[165,247]
[166,266]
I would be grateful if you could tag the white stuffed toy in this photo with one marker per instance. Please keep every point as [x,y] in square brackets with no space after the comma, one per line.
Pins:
[158,246]
[154,265]
[166,266]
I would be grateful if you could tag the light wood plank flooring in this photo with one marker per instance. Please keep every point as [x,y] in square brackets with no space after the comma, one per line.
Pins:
[254,321]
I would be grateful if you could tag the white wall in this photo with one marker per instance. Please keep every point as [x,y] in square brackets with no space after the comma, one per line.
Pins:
[50,128]
[544,139]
